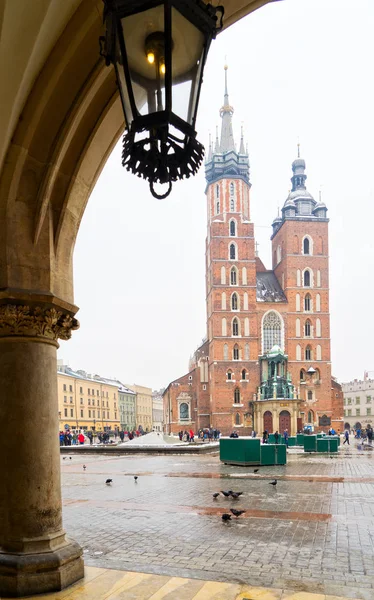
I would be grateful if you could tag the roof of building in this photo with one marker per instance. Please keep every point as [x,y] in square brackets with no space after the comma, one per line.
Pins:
[260,267]
[268,288]
[80,374]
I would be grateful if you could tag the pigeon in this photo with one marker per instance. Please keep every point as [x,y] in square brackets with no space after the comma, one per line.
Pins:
[226,517]
[256,470]
[84,467]
[135,478]
[64,458]
[237,513]
[226,494]
[69,457]
[273,482]
[109,481]
[235,494]
[215,495]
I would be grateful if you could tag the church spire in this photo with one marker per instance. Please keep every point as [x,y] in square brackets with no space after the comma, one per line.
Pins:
[226,112]
[242,149]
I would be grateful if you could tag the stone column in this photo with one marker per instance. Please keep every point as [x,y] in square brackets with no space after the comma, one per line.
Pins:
[35,555]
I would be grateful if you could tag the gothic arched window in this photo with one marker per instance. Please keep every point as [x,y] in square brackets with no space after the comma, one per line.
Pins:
[310,395]
[217,191]
[306,246]
[225,352]
[232,204]
[235,327]
[234,302]
[217,207]
[232,189]
[237,419]
[271,331]
[233,276]
[232,228]
[307,303]
[308,353]
[237,396]
[244,372]
[232,251]
[229,375]
[306,278]
[307,328]
[302,375]
[235,353]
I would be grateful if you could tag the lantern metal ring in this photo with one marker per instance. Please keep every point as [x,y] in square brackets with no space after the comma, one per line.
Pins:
[159,49]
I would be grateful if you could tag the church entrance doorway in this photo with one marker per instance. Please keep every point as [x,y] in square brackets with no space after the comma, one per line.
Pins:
[268,421]
[284,421]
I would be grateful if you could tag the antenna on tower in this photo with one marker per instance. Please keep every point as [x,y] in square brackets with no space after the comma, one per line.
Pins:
[298,149]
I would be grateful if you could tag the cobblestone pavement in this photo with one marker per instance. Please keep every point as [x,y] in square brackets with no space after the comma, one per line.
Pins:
[314,532]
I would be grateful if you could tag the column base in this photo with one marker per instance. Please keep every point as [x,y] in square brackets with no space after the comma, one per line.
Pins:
[23,574]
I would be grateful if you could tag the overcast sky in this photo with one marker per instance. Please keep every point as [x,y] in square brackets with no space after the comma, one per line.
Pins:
[298,70]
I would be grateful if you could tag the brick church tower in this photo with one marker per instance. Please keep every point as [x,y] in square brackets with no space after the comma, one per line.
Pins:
[230,279]
[265,361]
[301,264]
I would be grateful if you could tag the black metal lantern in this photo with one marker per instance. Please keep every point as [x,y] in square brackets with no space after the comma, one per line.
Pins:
[159,49]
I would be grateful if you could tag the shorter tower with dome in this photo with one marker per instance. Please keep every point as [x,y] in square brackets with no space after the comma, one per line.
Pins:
[265,361]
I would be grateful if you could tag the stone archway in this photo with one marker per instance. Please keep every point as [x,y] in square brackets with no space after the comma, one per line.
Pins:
[60,119]
[268,421]
[284,421]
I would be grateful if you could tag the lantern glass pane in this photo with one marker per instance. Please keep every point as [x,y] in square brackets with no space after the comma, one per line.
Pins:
[148,77]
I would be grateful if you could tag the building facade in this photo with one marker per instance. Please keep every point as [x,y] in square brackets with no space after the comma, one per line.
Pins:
[157,410]
[127,408]
[86,402]
[265,363]
[358,403]
[144,406]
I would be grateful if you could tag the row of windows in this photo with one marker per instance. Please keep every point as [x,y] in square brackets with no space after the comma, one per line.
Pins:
[232,198]
[230,375]
[89,391]
[236,329]
[309,352]
[89,402]
[308,329]
[236,352]
[348,413]
[234,301]
[91,414]
[306,248]
[306,278]
[234,276]
[308,303]
[358,400]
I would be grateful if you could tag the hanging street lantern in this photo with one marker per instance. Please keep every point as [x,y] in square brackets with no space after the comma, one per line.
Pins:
[159,49]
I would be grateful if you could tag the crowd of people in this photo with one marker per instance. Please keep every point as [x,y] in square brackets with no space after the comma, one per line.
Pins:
[204,435]
[74,437]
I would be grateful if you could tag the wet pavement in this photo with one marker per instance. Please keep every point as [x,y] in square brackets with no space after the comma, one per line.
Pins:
[313,532]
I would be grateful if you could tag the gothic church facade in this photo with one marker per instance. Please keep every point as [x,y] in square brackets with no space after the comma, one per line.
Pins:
[265,362]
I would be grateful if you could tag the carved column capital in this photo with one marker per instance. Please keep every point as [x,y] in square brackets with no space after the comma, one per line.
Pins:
[37,321]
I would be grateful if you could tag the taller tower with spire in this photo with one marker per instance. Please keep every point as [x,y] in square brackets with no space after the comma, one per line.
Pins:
[230,279]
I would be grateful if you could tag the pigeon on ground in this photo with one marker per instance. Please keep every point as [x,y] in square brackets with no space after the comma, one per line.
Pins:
[135,477]
[69,457]
[256,470]
[109,481]
[215,495]
[273,482]
[226,517]
[64,458]
[236,494]
[84,467]
[226,494]
[237,513]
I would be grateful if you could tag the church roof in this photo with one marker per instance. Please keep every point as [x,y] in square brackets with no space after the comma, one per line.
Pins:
[268,288]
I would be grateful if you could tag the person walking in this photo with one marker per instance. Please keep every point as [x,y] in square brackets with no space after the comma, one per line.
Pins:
[276,437]
[90,437]
[285,435]
[192,436]
[346,437]
[265,437]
